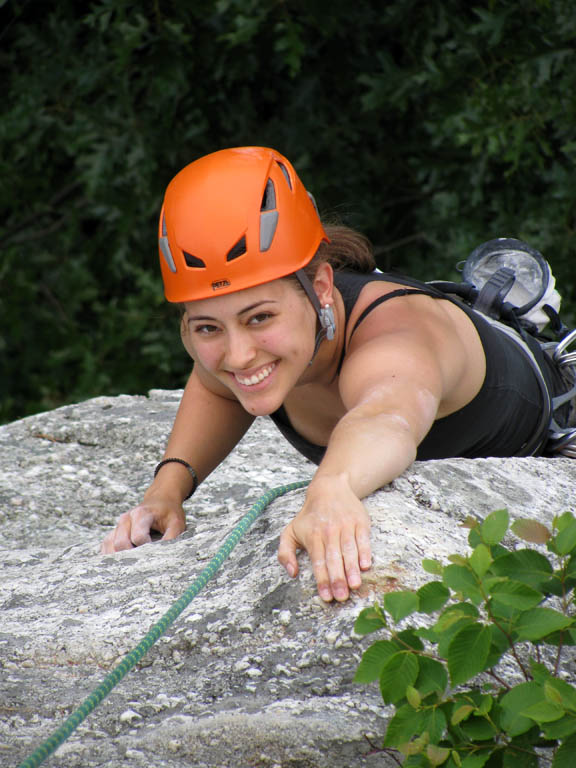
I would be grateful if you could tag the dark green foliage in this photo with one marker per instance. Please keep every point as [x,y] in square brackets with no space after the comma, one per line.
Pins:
[430,126]
[454,705]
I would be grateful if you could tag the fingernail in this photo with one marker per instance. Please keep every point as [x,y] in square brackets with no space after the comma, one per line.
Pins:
[326,595]
[291,570]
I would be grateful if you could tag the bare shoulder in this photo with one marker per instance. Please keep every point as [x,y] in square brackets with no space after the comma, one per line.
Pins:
[399,310]
[412,342]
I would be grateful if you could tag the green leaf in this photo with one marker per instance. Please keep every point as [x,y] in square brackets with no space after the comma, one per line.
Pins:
[400,671]
[369,620]
[524,565]
[435,724]
[498,550]
[413,697]
[406,723]
[531,530]
[514,756]
[434,567]
[544,712]
[477,760]
[540,672]
[467,652]
[540,622]
[428,634]
[561,728]
[565,541]
[432,676]
[558,585]
[515,594]
[566,637]
[478,729]
[410,638]
[414,747]
[563,521]
[373,659]
[400,604]
[564,757]
[432,596]
[474,537]
[514,703]
[416,761]
[494,527]
[571,568]
[452,620]
[480,560]
[462,580]
[560,692]
[453,614]
[437,755]
[458,560]
[485,705]
[463,712]
[498,646]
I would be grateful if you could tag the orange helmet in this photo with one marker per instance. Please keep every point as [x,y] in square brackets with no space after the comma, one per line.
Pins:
[232,220]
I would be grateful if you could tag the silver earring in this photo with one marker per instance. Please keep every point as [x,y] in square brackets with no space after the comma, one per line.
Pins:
[328,321]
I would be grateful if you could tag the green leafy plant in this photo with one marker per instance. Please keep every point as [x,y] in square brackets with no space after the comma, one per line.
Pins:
[485,684]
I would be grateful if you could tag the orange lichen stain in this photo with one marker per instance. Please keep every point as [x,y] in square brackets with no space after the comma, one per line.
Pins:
[378,580]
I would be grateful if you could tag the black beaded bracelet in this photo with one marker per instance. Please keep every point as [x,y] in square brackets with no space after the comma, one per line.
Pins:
[190,469]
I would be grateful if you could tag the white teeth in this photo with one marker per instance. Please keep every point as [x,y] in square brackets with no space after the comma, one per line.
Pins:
[257,377]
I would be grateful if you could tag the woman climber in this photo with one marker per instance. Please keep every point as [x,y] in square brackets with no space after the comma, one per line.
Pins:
[362,372]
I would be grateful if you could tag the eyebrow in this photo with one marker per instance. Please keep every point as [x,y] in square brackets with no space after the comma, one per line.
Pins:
[250,307]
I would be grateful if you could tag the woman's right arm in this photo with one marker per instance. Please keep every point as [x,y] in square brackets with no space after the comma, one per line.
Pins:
[207,427]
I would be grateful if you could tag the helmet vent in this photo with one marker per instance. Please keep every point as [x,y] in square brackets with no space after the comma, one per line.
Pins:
[165,246]
[311,196]
[268,224]
[237,250]
[269,197]
[285,172]
[192,261]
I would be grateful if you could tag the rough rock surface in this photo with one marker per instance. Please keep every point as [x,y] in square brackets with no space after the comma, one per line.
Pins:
[257,672]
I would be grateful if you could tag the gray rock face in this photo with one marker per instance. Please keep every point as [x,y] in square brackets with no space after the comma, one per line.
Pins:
[257,671]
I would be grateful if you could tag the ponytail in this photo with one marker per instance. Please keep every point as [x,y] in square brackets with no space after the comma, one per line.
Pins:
[347,250]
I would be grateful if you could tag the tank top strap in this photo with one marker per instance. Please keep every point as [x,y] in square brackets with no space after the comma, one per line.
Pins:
[351,284]
[387,297]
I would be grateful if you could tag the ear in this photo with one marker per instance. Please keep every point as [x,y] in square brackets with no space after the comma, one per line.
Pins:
[324,283]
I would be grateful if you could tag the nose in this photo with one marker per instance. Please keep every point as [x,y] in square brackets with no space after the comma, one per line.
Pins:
[240,349]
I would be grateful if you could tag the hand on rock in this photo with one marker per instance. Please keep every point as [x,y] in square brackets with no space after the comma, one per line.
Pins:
[135,527]
[333,526]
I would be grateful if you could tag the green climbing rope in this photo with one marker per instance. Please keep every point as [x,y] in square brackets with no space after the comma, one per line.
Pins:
[157,630]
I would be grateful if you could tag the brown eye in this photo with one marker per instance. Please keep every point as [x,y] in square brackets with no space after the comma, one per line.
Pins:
[259,318]
[206,329]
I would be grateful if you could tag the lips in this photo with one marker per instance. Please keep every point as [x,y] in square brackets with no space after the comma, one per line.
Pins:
[256,378]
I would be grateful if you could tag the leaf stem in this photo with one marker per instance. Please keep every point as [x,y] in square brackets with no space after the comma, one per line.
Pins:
[374,750]
[559,654]
[498,679]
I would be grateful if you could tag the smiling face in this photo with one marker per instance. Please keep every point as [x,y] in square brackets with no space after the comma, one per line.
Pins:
[257,342]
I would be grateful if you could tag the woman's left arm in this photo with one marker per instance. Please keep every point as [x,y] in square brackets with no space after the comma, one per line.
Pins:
[392,388]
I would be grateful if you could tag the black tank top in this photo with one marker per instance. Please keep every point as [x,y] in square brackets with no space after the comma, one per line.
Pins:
[499,421]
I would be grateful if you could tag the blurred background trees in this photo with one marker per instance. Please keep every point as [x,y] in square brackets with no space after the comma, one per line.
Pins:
[431,126]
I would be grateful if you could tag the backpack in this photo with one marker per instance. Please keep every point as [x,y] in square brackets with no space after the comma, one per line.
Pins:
[512,285]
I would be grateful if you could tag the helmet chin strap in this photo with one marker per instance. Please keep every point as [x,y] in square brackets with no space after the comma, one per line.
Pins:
[325,314]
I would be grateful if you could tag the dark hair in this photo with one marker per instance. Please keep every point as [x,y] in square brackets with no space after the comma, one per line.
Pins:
[347,250]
